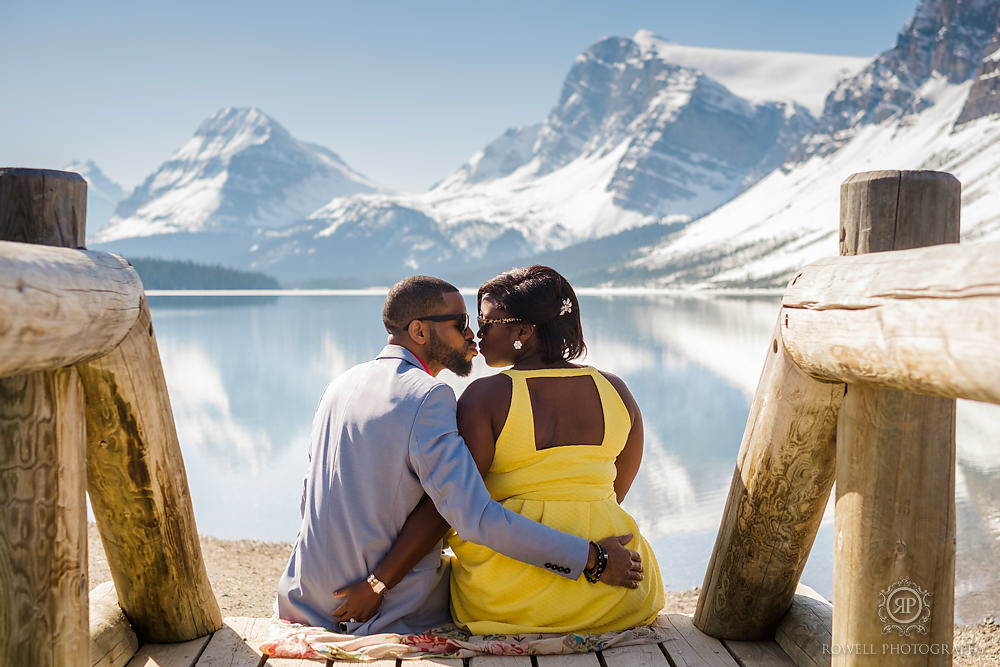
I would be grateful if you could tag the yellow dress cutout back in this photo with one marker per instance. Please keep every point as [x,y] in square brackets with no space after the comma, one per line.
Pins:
[568,487]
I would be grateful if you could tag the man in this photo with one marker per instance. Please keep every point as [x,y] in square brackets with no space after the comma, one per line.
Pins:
[384,435]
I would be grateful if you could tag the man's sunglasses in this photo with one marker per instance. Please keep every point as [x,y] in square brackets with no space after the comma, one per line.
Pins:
[461,320]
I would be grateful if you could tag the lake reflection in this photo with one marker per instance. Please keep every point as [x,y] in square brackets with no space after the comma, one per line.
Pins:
[245,377]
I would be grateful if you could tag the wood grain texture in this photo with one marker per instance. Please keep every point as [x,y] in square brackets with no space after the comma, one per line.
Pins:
[43,520]
[570,660]
[897,210]
[782,482]
[43,206]
[235,643]
[895,517]
[895,513]
[805,631]
[112,640]
[61,305]
[693,647]
[924,320]
[758,654]
[180,654]
[643,655]
[139,493]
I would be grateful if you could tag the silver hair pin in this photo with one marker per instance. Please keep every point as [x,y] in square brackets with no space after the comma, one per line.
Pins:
[567,307]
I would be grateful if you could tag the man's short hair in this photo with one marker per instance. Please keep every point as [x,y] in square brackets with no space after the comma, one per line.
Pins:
[412,298]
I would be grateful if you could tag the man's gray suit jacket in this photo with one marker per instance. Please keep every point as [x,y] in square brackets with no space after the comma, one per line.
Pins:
[384,434]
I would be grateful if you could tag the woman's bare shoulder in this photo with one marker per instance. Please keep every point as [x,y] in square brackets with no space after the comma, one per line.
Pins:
[486,390]
[622,389]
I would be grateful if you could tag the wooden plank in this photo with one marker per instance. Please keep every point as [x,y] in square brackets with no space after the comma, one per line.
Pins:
[62,305]
[183,654]
[924,320]
[500,661]
[235,643]
[805,631]
[139,493]
[568,660]
[112,641]
[693,647]
[781,486]
[758,654]
[643,655]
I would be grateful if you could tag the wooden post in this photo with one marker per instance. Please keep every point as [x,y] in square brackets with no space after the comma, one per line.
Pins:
[43,518]
[139,493]
[781,486]
[894,553]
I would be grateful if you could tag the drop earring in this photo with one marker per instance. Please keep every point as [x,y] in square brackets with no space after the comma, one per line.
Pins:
[517,345]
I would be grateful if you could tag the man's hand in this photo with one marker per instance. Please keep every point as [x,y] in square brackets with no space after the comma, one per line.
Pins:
[360,602]
[624,565]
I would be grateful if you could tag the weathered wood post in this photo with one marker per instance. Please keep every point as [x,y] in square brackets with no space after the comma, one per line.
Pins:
[43,517]
[139,493]
[784,473]
[894,560]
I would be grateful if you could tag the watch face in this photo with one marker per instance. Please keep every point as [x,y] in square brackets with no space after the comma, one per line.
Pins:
[376,585]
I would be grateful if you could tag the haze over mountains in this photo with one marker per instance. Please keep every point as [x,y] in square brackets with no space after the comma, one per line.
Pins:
[660,165]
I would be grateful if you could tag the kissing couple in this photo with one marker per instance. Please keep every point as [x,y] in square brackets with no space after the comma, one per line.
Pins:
[522,476]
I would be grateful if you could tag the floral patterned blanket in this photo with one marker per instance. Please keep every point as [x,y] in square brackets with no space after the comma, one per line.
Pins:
[291,640]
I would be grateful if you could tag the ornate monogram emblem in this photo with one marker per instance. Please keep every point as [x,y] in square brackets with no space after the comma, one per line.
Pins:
[904,607]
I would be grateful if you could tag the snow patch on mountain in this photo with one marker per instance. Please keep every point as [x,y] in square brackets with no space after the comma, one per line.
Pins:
[791,217]
[804,78]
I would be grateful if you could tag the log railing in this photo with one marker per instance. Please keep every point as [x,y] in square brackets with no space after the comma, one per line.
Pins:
[868,356]
[84,407]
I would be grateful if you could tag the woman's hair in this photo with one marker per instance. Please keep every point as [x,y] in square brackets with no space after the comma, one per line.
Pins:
[539,295]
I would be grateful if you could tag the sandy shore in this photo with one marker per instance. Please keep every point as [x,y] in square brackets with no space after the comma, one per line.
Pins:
[244,574]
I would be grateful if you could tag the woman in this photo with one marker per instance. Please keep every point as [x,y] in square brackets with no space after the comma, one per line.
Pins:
[559,443]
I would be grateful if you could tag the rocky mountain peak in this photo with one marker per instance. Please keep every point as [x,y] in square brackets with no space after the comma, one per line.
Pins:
[946,38]
[984,97]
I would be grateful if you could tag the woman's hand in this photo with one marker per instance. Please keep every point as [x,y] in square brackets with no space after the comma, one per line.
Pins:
[360,603]
[624,565]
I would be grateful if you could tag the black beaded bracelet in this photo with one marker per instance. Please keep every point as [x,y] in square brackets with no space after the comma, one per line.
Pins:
[594,575]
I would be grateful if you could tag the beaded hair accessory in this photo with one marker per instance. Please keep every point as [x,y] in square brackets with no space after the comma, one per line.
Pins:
[567,307]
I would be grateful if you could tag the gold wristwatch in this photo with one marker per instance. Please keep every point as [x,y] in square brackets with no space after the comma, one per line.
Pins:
[376,585]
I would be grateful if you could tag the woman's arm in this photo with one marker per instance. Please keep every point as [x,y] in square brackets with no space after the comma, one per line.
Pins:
[627,463]
[482,412]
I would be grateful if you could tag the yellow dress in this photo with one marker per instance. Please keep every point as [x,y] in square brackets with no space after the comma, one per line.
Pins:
[570,488]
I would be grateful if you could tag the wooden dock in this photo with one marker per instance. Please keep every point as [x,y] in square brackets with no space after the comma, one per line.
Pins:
[234,645]
[869,353]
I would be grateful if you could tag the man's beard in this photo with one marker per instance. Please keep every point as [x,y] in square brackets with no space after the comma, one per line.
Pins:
[452,359]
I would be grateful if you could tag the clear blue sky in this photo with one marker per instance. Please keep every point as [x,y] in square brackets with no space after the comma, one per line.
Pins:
[404,91]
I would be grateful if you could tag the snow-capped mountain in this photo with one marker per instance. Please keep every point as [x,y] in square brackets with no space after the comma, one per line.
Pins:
[659,165]
[930,102]
[240,170]
[103,195]
[634,139]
